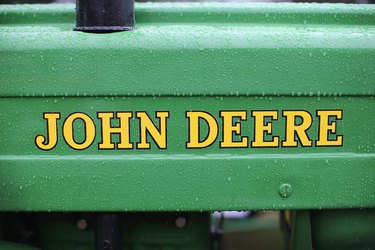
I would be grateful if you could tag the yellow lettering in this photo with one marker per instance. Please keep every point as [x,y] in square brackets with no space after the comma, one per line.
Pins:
[263,128]
[229,128]
[40,140]
[89,131]
[326,128]
[147,126]
[299,130]
[194,129]
[123,130]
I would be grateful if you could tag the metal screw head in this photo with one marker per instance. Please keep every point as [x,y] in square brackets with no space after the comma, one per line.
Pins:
[81,224]
[107,245]
[180,222]
[285,190]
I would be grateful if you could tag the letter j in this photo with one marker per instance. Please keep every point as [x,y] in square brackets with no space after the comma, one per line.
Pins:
[50,141]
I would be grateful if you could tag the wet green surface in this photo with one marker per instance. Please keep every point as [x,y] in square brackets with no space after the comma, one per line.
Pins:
[209,57]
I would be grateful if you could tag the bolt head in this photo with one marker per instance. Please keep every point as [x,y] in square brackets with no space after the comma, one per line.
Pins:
[285,190]
[81,224]
[180,222]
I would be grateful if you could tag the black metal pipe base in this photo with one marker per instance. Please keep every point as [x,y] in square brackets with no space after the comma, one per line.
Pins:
[104,16]
[103,29]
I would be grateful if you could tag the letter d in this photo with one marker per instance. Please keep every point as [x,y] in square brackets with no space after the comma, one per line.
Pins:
[194,129]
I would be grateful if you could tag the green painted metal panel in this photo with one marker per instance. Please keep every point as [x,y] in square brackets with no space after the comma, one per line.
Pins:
[211,49]
[209,57]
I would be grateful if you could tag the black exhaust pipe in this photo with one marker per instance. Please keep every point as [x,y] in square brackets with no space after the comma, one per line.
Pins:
[108,234]
[104,16]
